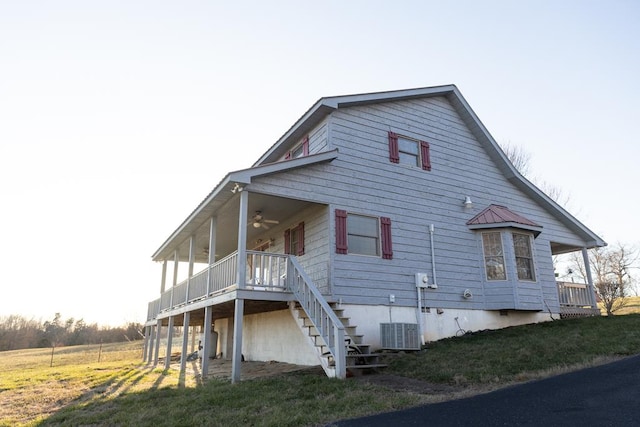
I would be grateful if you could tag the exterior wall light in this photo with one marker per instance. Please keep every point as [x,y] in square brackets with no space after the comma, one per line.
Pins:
[468,204]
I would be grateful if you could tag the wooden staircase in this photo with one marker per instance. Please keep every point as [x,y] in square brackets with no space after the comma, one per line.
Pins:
[359,358]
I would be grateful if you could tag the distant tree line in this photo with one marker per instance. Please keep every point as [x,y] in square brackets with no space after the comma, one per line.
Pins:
[18,332]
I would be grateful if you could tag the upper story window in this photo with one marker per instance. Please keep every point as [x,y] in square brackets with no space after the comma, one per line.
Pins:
[494,256]
[524,256]
[363,235]
[410,151]
[299,150]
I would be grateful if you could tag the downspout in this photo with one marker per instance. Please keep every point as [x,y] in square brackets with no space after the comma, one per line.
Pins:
[420,286]
[434,282]
[419,312]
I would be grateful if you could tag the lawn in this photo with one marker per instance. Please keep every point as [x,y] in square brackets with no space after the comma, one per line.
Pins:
[119,390]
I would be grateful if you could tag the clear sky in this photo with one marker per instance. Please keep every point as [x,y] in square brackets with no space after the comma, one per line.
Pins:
[118,117]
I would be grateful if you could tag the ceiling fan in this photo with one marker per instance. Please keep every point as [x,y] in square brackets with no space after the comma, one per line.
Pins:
[259,221]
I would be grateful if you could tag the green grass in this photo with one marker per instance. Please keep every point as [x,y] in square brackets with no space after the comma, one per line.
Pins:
[119,390]
[523,352]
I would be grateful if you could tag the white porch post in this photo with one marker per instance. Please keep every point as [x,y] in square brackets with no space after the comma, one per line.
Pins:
[237,341]
[192,255]
[152,341]
[148,343]
[185,342]
[175,276]
[212,251]
[206,340]
[241,279]
[157,344]
[587,269]
[167,361]
[163,282]
[242,240]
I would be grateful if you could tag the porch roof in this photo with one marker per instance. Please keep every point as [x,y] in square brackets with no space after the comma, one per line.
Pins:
[224,192]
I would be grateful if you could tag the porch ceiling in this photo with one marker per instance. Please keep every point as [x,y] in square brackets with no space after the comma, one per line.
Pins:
[562,248]
[271,207]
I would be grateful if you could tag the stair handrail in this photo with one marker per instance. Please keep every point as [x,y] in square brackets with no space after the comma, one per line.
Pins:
[322,316]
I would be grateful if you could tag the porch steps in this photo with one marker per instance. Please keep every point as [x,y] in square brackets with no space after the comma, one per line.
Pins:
[359,358]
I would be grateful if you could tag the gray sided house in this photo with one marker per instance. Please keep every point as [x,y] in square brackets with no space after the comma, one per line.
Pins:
[377,221]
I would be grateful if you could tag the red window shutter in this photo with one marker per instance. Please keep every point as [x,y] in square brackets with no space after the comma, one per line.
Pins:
[341,231]
[300,248]
[287,242]
[305,146]
[385,228]
[426,159]
[394,153]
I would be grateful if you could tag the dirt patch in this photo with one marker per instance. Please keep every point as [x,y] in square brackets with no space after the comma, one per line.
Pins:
[221,368]
[428,392]
[398,383]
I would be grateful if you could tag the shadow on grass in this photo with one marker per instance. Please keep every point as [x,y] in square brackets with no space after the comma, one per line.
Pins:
[116,390]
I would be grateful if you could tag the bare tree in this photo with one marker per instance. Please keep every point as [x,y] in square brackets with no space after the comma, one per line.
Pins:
[611,267]
[520,158]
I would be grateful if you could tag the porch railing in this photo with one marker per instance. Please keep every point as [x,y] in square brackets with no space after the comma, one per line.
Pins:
[320,313]
[265,271]
[574,295]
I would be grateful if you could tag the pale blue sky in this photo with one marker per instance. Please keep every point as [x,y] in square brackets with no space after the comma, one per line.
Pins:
[118,117]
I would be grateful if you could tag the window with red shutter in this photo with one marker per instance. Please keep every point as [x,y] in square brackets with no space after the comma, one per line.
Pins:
[305,146]
[409,151]
[287,242]
[385,233]
[300,150]
[394,153]
[299,231]
[341,231]
[424,153]
[294,240]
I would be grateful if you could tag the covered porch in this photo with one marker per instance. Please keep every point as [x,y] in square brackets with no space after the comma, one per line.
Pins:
[241,259]
[576,299]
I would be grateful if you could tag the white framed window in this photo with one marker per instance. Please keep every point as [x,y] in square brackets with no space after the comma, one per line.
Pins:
[494,256]
[409,151]
[363,236]
[300,150]
[524,256]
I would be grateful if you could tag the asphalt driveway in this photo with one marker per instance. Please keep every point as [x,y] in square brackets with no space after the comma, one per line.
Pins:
[607,395]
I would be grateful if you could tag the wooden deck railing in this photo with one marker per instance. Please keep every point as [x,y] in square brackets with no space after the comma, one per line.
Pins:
[265,271]
[574,294]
